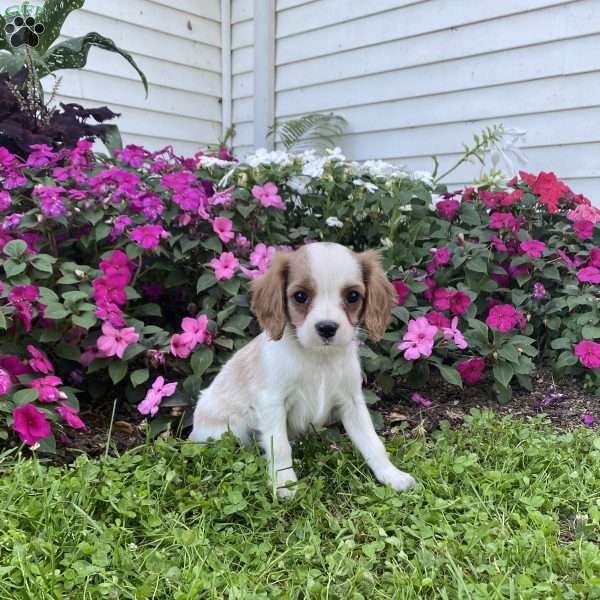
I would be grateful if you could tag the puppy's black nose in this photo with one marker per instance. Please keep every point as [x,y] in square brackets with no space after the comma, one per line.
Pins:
[326,329]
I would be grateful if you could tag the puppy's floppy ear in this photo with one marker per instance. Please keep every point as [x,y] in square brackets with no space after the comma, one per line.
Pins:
[380,297]
[268,296]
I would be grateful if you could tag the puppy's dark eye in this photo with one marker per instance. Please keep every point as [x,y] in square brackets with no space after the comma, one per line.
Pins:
[352,297]
[300,297]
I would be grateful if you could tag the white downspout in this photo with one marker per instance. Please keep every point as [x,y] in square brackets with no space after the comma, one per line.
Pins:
[226,76]
[264,71]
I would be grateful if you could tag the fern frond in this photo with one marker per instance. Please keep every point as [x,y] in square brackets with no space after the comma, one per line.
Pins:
[314,130]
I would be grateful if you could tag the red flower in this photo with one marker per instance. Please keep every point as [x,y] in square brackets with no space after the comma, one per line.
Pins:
[459,303]
[438,319]
[448,209]
[471,370]
[548,188]
[504,317]
[402,291]
[583,229]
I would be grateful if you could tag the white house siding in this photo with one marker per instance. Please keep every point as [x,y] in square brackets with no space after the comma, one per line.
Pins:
[419,77]
[177,43]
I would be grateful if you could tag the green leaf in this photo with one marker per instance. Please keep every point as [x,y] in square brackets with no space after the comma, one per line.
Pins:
[201,360]
[562,343]
[75,296]
[47,445]
[15,248]
[509,353]
[68,352]
[13,268]
[237,323]
[73,54]
[3,324]
[478,265]
[213,244]
[590,333]
[140,376]
[55,311]
[231,286]
[53,16]
[371,397]
[566,359]
[450,374]
[112,138]
[24,397]
[503,373]
[3,42]
[117,371]
[205,281]
[86,320]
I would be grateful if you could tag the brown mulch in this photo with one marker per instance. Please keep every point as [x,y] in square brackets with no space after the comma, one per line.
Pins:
[562,402]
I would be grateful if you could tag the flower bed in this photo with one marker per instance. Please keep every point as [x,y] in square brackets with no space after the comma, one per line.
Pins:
[127,278]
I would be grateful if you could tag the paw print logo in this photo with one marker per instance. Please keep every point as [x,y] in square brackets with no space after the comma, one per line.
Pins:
[23,32]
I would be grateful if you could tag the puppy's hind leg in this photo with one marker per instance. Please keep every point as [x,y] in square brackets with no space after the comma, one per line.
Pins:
[212,424]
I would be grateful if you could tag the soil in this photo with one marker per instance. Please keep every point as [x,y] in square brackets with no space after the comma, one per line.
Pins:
[563,402]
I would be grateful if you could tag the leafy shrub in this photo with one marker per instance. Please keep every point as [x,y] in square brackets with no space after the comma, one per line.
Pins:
[125,277]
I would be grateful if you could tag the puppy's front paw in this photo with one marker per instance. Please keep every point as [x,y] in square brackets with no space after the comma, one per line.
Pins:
[399,480]
[286,479]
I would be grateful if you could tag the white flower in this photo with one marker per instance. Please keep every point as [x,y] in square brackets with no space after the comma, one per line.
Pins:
[213,161]
[335,154]
[314,168]
[386,242]
[507,148]
[380,169]
[299,184]
[424,176]
[263,157]
[334,222]
[370,187]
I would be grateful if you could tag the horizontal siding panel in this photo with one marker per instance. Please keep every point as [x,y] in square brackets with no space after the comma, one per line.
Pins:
[243,110]
[244,134]
[243,85]
[553,94]
[242,10]
[402,23]
[173,127]
[543,130]
[158,18]
[521,64]
[209,9]
[566,21]
[155,143]
[242,34]
[306,17]
[136,39]
[105,89]
[286,4]
[242,60]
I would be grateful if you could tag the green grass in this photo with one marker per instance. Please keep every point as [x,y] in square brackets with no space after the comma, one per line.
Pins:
[504,509]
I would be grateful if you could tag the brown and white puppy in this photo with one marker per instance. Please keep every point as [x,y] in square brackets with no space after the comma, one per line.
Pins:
[304,370]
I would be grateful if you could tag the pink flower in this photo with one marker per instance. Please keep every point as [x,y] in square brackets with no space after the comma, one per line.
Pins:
[588,420]
[503,221]
[182,344]
[471,370]
[112,313]
[459,303]
[437,319]
[223,228]
[566,259]
[498,244]
[447,209]
[421,400]
[594,257]
[588,353]
[197,328]
[268,195]
[504,317]
[441,299]
[70,416]
[114,341]
[453,334]
[225,265]
[441,256]
[13,366]
[261,256]
[39,361]
[583,229]
[5,382]
[158,391]
[418,340]
[584,212]
[402,291]
[47,388]
[589,275]
[539,291]
[533,248]
[30,423]
[148,236]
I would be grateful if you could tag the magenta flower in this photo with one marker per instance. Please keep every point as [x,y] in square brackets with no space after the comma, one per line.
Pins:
[539,291]
[566,259]
[182,344]
[4,201]
[402,291]
[112,313]
[225,265]
[459,303]
[421,400]
[583,229]
[588,420]
[418,340]
[453,334]
[5,382]
[441,299]
[158,391]
[70,416]
[498,244]
[504,317]
[39,361]
[114,341]
[437,319]
[149,236]
[120,224]
[588,353]
[447,209]
[223,227]
[533,248]
[11,221]
[268,195]
[23,293]
[13,366]
[197,328]
[589,275]
[30,423]
[471,370]
[594,257]
[47,388]
[503,221]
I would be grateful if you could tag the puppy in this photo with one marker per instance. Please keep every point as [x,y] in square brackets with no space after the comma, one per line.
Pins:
[304,370]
